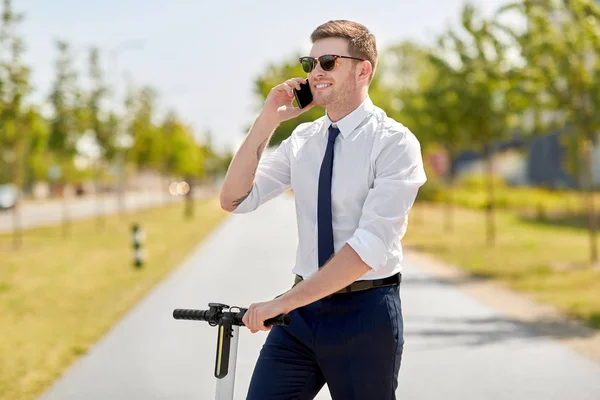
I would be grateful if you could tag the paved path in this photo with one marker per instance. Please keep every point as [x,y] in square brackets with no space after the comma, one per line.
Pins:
[50,212]
[456,348]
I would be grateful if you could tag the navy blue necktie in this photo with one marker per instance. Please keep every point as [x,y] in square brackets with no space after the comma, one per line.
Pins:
[324,217]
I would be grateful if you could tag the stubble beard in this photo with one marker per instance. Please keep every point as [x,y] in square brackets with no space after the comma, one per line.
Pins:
[337,99]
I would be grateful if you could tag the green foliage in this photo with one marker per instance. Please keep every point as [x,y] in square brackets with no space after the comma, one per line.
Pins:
[560,49]
[182,156]
[14,87]
[168,146]
[404,73]
[66,123]
[148,145]
[470,192]
[95,118]
[37,161]
[484,81]
[462,93]
[477,182]
[31,144]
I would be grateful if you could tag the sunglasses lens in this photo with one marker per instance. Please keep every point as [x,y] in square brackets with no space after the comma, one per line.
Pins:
[307,64]
[327,62]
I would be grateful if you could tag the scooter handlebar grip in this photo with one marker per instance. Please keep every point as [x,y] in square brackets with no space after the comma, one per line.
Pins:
[281,319]
[196,315]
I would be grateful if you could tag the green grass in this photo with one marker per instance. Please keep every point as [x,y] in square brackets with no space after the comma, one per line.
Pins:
[550,262]
[58,295]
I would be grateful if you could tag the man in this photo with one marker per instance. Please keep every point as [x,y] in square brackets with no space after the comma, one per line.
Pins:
[355,173]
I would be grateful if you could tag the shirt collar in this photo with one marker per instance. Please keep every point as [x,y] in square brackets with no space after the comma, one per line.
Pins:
[349,123]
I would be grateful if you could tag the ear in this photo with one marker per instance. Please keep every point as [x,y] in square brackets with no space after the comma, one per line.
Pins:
[364,72]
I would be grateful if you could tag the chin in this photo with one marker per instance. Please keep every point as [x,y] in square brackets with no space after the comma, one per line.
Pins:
[319,102]
[322,101]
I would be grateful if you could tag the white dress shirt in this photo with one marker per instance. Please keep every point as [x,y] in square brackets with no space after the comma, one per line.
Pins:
[377,171]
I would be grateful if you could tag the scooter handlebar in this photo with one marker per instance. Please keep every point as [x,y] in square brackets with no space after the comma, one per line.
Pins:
[213,316]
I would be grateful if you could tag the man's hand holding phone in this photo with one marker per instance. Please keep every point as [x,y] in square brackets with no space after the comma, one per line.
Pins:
[278,105]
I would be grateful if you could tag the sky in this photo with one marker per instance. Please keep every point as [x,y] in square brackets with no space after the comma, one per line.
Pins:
[203,56]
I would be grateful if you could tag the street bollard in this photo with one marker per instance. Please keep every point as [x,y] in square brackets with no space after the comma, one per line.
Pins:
[138,239]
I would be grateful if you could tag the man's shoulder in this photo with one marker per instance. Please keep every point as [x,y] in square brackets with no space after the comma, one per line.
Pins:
[390,130]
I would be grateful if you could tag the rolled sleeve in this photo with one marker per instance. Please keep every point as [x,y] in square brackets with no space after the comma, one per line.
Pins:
[399,174]
[272,178]
[369,248]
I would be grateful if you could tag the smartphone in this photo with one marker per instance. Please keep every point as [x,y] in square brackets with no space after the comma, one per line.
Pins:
[304,95]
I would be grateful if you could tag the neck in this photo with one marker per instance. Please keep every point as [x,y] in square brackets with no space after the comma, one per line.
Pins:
[339,110]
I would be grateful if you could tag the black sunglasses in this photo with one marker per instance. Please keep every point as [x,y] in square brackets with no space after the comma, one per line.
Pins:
[327,62]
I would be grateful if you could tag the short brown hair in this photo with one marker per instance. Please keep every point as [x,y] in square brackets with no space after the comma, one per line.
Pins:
[361,42]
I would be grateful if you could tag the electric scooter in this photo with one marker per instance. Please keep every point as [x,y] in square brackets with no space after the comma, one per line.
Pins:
[229,323]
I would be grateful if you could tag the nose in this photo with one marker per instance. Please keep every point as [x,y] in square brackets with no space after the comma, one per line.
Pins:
[317,72]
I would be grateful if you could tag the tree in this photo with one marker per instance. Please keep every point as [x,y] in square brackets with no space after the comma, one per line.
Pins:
[15,122]
[561,46]
[182,153]
[66,121]
[404,70]
[149,146]
[446,110]
[97,123]
[488,76]
[38,158]
[146,151]
[183,156]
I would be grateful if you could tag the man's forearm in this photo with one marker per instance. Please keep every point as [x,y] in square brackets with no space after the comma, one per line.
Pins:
[345,267]
[242,170]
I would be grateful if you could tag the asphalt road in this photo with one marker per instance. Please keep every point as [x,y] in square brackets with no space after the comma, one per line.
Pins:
[50,212]
[456,347]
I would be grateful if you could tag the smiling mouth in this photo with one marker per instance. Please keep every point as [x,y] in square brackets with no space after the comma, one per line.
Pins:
[322,86]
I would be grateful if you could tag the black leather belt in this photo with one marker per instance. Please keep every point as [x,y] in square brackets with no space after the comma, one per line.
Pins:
[366,284]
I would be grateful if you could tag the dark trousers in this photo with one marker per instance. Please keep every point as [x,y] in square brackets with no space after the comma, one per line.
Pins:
[353,342]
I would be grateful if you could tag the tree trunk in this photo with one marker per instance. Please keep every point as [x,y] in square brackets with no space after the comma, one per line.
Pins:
[449,209]
[98,194]
[167,183]
[592,223]
[17,227]
[18,182]
[65,211]
[491,226]
[121,183]
[448,226]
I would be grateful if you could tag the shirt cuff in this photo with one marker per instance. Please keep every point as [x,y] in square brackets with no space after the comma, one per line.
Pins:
[245,206]
[369,248]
